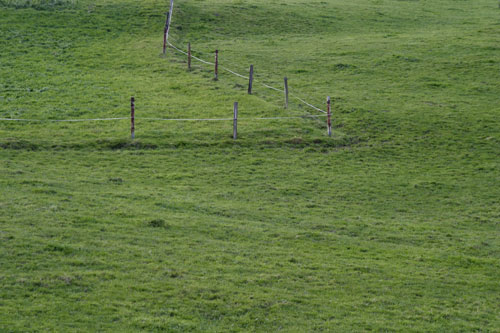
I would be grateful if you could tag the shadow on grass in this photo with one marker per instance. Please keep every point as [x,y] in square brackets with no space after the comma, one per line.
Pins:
[127,144]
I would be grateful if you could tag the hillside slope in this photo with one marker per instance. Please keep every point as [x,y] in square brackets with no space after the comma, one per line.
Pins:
[391,224]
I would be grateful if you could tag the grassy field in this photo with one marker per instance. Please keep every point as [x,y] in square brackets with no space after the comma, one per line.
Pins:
[392,224]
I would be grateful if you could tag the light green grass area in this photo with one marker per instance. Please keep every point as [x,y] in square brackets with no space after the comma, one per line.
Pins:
[392,224]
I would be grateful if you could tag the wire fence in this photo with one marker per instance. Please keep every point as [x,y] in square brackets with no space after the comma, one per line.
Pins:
[159,119]
[191,56]
[244,77]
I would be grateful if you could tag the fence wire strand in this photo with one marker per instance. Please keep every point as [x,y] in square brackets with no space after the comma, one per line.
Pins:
[159,119]
[246,77]
[187,119]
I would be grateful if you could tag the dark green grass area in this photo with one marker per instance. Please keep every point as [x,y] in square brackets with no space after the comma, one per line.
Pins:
[392,224]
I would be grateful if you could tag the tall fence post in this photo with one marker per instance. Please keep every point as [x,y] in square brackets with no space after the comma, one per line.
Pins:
[216,65]
[165,33]
[235,121]
[132,117]
[329,113]
[167,26]
[250,81]
[286,92]
[189,56]
[170,12]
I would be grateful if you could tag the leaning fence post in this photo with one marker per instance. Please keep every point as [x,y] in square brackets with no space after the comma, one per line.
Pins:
[328,111]
[250,81]
[216,65]
[165,32]
[286,92]
[167,26]
[170,12]
[235,121]
[132,117]
[189,55]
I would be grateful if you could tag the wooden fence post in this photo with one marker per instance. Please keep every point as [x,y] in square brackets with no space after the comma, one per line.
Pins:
[167,26]
[329,120]
[170,12]
[286,92]
[165,32]
[132,117]
[250,82]
[235,121]
[216,65]
[189,56]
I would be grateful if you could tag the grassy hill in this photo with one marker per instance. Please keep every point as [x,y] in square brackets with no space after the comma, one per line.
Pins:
[392,224]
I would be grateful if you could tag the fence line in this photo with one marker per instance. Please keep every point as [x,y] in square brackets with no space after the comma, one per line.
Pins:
[189,54]
[185,53]
[310,105]
[62,120]
[227,69]
[234,73]
[225,119]
[161,119]
[244,77]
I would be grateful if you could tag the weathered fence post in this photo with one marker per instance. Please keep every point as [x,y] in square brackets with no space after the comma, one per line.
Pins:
[170,12]
[132,117]
[250,81]
[216,65]
[165,33]
[189,56]
[167,26]
[286,92]
[329,114]
[235,121]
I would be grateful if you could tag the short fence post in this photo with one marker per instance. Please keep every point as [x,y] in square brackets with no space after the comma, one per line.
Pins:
[216,65]
[329,114]
[250,82]
[286,92]
[235,121]
[189,56]
[132,117]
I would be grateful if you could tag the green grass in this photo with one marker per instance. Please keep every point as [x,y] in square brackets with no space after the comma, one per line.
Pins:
[390,225]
